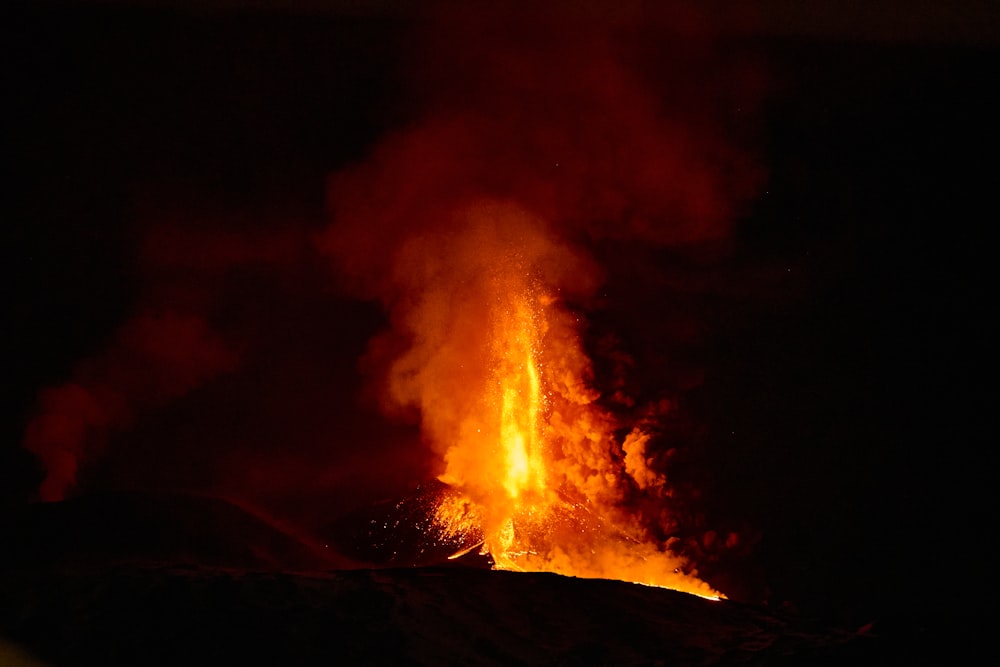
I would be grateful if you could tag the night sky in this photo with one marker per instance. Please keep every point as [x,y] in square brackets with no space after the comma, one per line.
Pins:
[831,356]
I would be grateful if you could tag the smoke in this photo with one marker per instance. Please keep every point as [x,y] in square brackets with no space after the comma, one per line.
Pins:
[536,147]
[553,118]
[535,143]
[539,139]
[170,347]
[156,357]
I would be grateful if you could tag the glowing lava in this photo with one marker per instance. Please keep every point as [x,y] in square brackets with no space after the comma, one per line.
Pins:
[538,478]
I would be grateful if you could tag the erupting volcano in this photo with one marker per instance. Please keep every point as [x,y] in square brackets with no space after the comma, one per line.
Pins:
[482,224]
[477,226]
[534,466]
[539,474]
[420,333]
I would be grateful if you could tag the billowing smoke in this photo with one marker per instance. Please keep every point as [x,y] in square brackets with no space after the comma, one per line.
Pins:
[232,372]
[171,347]
[540,136]
[156,357]
[535,143]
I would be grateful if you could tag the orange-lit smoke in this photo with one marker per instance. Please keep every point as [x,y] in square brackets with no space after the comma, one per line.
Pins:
[471,226]
[193,264]
[156,357]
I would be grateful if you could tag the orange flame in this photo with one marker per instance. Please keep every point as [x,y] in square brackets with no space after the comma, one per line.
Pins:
[538,477]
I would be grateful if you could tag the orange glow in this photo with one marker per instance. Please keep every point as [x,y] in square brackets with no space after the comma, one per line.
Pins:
[537,475]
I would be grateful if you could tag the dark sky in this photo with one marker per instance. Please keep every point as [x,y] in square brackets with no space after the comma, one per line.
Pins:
[835,372]
[920,21]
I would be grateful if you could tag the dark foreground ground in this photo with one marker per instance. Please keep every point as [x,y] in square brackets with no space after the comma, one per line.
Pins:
[138,579]
[132,615]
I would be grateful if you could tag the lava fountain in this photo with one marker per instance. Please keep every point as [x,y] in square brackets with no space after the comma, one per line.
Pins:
[538,481]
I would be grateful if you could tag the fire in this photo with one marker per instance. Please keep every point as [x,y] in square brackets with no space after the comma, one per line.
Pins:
[520,399]
[537,475]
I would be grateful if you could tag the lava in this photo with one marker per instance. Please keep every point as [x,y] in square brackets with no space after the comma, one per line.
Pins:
[537,474]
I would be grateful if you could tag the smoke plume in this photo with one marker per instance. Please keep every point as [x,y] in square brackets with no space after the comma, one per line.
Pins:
[541,138]
[156,357]
[477,225]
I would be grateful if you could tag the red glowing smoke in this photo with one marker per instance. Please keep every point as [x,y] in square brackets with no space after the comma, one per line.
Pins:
[537,143]
[600,135]
[156,357]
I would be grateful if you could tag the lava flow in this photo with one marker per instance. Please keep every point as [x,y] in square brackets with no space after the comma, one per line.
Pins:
[536,472]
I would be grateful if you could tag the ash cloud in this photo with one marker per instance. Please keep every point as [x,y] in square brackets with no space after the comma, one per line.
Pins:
[567,119]
[156,357]
[171,346]
[596,135]
[550,138]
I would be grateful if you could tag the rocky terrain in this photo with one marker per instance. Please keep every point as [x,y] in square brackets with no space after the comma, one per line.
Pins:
[197,580]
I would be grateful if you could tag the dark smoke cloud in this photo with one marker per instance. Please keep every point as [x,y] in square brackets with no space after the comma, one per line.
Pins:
[189,329]
[156,357]
[601,135]
[556,118]
[555,137]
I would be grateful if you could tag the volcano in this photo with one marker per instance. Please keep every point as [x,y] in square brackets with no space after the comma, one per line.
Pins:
[417,336]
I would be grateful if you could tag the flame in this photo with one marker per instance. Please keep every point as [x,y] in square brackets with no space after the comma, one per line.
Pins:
[537,475]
